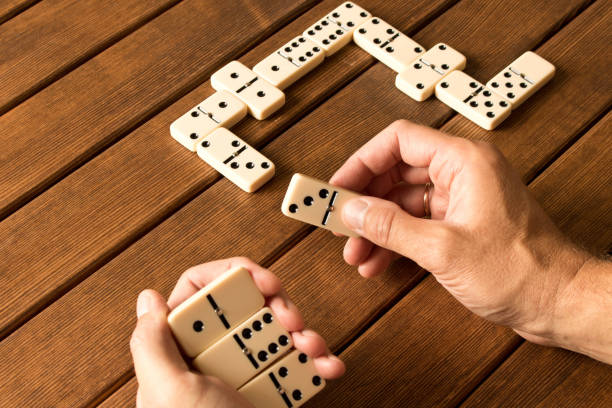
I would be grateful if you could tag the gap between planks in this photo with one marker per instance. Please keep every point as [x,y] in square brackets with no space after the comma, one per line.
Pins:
[91,53]
[132,124]
[61,290]
[18,9]
[513,347]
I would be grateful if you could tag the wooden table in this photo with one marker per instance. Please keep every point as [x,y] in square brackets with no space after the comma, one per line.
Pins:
[98,202]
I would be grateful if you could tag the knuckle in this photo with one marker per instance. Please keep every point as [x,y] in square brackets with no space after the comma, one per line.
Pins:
[489,152]
[242,260]
[147,324]
[446,242]
[400,125]
[381,222]
[188,273]
[400,122]
[466,147]
[137,338]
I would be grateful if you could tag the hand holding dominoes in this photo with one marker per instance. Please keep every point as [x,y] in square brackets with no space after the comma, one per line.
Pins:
[318,203]
[234,318]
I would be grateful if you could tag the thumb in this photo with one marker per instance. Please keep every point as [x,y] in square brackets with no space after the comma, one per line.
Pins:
[157,359]
[387,225]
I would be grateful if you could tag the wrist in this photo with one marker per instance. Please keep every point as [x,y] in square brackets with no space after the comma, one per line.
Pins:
[581,319]
[547,287]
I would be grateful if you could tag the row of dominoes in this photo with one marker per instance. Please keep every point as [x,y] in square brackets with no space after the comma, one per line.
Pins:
[420,73]
[229,334]
[204,129]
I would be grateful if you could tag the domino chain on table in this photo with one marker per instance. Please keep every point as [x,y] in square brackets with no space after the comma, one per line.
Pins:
[233,331]
[420,73]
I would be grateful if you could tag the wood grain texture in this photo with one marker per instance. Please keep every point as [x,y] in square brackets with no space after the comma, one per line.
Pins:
[10,8]
[50,38]
[62,235]
[584,170]
[430,349]
[535,376]
[86,110]
[220,222]
[124,397]
[433,348]
[577,94]
[300,148]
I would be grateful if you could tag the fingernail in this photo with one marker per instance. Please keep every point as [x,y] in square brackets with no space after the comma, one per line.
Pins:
[288,303]
[333,357]
[354,214]
[309,333]
[143,305]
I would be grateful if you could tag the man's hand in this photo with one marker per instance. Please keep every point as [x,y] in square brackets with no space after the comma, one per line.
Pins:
[164,378]
[489,243]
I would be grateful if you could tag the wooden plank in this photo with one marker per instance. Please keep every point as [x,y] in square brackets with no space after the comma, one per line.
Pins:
[144,180]
[240,238]
[585,170]
[10,8]
[235,223]
[126,394]
[575,54]
[315,145]
[538,376]
[66,123]
[125,397]
[51,38]
[425,352]
[435,351]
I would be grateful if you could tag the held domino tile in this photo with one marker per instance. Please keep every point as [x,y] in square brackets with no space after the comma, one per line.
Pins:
[262,98]
[318,203]
[473,100]
[235,159]
[247,350]
[387,44]
[288,383]
[290,62]
[419,79]
[214,310]
[335,30]
[522,78]
[221,109]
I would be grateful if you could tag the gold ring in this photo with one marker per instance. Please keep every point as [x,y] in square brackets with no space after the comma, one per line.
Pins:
[427,199]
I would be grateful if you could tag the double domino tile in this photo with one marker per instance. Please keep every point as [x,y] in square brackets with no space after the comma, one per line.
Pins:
[419,79]
[225,327]
[231,335]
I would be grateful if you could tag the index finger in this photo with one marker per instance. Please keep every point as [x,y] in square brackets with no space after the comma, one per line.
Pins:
[196,277]
[402,141]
